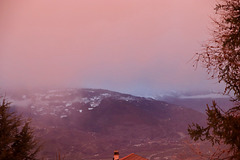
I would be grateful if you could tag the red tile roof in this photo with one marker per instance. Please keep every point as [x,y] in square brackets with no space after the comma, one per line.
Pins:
[133,156]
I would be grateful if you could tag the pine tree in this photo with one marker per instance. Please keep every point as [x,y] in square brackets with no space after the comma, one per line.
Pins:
[17,141]
[221,58]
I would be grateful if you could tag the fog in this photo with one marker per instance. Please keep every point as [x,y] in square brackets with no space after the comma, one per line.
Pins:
[134,46]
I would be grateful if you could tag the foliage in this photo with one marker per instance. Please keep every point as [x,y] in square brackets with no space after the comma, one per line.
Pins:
[221,58]
[222,128]
[17,141]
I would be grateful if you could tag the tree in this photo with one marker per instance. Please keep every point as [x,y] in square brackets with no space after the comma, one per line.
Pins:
[221,58]
[17,141]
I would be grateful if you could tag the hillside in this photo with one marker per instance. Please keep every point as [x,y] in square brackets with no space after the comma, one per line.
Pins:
[91,123]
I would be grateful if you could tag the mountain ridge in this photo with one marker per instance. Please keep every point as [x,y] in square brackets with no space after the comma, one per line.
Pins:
[90,124]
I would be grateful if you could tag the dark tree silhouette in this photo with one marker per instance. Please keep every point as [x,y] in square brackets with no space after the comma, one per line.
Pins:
[17,141]
[221,58]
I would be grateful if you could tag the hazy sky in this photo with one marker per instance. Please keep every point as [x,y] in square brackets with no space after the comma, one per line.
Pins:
[135,46]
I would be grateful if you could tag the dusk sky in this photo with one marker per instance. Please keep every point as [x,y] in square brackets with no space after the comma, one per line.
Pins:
[134,46]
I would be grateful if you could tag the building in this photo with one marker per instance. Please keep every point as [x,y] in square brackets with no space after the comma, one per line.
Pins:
[131,156]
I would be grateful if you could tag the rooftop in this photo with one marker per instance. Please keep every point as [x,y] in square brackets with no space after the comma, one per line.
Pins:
[133,156]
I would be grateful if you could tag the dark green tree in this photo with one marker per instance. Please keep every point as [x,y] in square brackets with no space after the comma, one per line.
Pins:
[221,58]
[17,141]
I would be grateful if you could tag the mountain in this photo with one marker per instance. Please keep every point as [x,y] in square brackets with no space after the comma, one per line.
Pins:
[92,123]
[199,102]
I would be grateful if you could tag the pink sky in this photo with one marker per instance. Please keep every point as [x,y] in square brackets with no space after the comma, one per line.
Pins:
[125,45]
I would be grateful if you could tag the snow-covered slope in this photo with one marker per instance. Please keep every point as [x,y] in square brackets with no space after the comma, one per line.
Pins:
[63,103]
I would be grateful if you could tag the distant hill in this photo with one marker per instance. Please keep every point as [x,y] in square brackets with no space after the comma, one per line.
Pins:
[92,123]
[200,103]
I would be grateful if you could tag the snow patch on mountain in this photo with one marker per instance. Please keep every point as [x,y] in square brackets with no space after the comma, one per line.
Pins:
[63,116]
[127,98]
[68,104]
